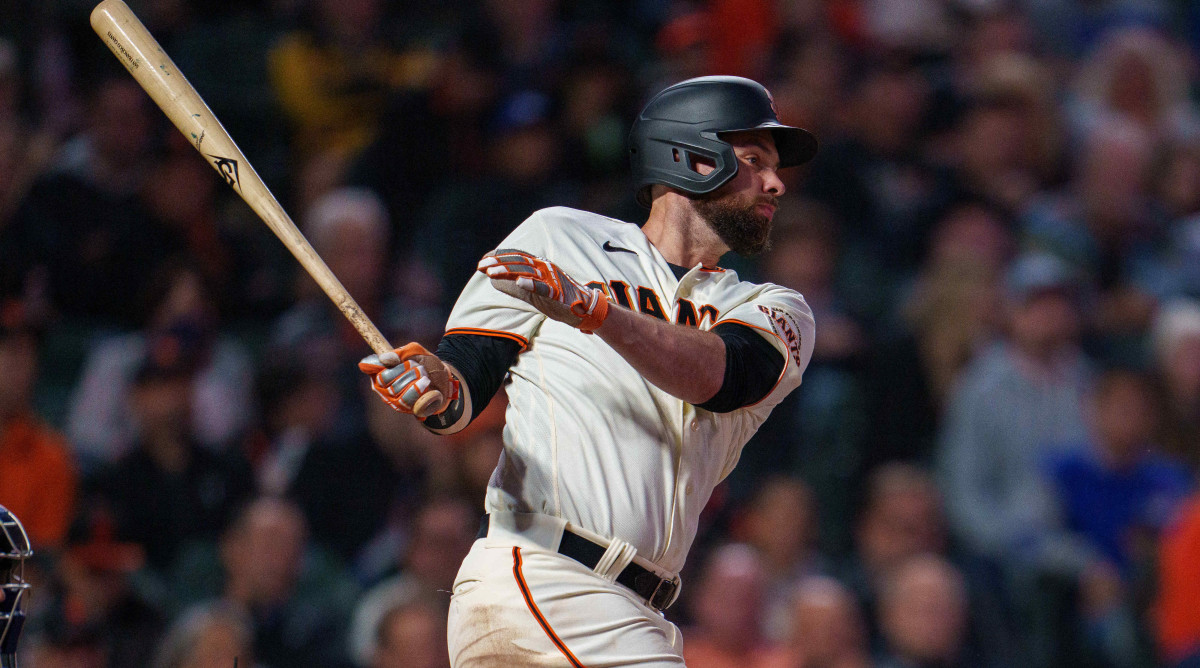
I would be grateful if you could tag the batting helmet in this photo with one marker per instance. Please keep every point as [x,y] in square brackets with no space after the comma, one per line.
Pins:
[14,550]
[687,120]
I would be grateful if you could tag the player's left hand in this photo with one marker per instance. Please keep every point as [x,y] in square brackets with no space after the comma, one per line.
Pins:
[545,286]
[404,375]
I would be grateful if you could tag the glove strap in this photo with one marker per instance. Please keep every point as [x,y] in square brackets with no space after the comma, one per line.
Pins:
[593,320]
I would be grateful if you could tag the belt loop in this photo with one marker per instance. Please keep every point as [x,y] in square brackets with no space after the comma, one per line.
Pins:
[615,559]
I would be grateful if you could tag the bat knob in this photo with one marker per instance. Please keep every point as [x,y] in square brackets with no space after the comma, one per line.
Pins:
[427,404]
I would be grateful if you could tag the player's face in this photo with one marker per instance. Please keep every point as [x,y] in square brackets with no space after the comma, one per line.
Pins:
[740,211]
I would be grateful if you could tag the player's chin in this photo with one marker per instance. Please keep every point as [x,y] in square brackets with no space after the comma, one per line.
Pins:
[752,237]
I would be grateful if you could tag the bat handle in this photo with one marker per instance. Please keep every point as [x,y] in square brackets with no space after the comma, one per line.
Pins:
[374,338]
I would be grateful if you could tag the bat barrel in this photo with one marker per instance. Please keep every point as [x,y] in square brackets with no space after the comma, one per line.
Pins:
[144,58]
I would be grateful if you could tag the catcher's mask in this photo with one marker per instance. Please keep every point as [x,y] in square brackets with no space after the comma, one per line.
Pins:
[688,120]
[14,550]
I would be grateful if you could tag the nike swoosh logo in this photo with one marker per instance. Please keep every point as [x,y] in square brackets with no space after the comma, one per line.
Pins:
[616,249]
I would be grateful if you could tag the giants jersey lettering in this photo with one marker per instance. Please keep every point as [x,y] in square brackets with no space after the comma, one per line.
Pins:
[587,438]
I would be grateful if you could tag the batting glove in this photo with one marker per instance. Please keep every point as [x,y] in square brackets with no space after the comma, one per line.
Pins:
[406,374]
[546,287]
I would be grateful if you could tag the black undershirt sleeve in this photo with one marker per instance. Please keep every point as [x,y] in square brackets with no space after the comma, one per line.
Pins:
[483,362]
[752,367]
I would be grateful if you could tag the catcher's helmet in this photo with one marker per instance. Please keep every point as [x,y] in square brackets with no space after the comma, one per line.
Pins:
[14,550]
[687,120]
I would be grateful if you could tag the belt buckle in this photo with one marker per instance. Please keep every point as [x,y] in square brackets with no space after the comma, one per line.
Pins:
[664,594]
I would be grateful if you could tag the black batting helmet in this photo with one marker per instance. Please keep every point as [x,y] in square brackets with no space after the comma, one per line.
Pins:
[687,120]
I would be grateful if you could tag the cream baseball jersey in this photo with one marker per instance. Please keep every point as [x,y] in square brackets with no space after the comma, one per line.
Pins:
[587,438]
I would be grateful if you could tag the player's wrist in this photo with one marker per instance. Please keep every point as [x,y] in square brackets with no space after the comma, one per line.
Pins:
[597,314]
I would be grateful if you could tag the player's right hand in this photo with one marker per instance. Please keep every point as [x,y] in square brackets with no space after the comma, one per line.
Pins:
[404,375]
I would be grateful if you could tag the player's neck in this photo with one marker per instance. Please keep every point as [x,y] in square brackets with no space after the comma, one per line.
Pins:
[680,234]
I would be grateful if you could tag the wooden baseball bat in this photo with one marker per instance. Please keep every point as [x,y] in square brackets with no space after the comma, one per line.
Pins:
[141,54]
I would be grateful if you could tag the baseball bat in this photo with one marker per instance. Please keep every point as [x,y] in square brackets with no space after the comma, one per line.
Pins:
[154,71]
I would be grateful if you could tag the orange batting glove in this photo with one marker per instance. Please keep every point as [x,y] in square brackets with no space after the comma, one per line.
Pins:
[546,287]
[406,374]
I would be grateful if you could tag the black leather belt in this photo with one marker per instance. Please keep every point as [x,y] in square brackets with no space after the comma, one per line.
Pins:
[658,593]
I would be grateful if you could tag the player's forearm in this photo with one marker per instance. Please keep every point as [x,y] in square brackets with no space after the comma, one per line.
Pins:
[682,361]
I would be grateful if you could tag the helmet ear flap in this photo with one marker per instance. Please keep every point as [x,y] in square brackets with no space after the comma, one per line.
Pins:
[671,159]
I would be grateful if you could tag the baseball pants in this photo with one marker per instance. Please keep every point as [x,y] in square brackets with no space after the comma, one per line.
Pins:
[516,603]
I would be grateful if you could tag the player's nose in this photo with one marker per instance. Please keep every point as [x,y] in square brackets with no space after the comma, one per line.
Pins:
[772,183]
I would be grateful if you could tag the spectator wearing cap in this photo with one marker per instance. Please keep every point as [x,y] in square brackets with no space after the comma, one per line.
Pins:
[181,310]
[38,480]
[346,485]
[1014,403]
[460,221]
[95,616]
[169,490]
[1018,403]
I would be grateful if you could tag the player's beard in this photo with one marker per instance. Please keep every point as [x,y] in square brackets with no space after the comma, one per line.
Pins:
[737,221]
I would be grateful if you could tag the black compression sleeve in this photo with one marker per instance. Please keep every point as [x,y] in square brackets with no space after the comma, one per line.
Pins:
[752,367]
[482,360]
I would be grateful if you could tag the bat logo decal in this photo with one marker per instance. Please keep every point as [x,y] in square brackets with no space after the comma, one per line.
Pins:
[229,169]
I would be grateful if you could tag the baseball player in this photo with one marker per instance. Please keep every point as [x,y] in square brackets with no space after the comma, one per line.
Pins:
[637,367]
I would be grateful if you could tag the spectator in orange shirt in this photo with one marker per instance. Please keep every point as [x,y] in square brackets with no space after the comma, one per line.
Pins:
[1177,617]
[38,479]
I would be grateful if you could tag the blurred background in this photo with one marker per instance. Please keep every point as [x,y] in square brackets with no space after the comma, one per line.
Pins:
[991,461]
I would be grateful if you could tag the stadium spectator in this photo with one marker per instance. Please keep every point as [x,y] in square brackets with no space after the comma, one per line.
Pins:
[94,615]
[38,478]
[411,634]
[1174,343]
[817,432]
[827,626]
[346,484]
[181,312]
[1136,74]
[298,618]
[1017,401]
[1117,494]
[923,615]
[1176,618]
[780,524]
[168,490]
[727,608]
[443,529]
[84,225]
[333,75]
[216,634]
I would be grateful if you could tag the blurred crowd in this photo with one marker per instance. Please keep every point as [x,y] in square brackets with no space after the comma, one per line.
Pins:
[992,459]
